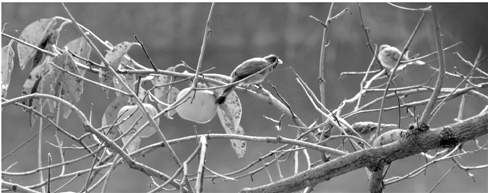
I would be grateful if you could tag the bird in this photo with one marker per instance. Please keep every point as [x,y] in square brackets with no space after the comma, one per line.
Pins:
[249,68]
[389,56]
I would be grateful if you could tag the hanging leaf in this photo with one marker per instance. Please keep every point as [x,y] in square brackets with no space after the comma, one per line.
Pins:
[8,55]
[81,48]
[73,85]
[128,64]
[239,145]
[167,93]
[134,144]
[110,115]
[118,85]
[114,58]
[34,33]
[31,85]
[232,108]
[105,77]
[47,89]
[230,114]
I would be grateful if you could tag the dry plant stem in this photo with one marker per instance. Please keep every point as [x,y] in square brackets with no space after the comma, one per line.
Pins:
[362,84]
[313,98]
[426,116]
[366,32]
[123,147]
[135,97]
[89,178]
[201,163]
[22,145]
[411,9]
[89,128]
[39,148]
[415,103]
[65,184]
[394,72]
[323,47]
[60,143]
[49,161]
[219,175]
[418,58]
[265,95]
[17,187]
[147,55]
[439,181]
[90,81]
[436,109]
[178,171]
[260,158]
[202,49]
[471,65]
[463,98]
[443,137]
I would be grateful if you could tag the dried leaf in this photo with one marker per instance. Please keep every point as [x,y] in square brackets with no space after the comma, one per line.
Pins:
[134,144]
[8,55]
[232,108]
[114,58]
[128,64]
[34,33]
[81,48]
[110,115]
[31,85]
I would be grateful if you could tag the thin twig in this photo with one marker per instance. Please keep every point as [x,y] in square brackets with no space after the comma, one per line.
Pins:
[49,161]
[438,107]
[135,96]
[426,115]
[393,72]
[323,47]
[443,176]
[202,49]
[426,9]
[21,145]
[201,164]
[147,54]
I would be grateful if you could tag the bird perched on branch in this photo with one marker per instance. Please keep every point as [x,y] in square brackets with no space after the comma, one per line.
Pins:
[251,67]
[389,56]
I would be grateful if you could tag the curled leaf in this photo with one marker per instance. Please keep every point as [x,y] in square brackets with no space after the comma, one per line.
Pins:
[34,33]
[8,55]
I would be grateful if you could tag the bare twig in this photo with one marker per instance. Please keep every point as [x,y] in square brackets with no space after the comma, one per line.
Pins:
[135,96]
[201,164]
[393,73]
[426,9]
[147,54]
[443,176]
[426,115]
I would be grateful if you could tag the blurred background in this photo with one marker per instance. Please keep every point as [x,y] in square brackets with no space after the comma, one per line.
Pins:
[173,32]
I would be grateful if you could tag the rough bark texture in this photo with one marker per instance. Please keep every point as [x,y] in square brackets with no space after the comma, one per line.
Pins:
[415,141]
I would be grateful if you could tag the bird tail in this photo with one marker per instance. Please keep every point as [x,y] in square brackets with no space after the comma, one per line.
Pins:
[223,96]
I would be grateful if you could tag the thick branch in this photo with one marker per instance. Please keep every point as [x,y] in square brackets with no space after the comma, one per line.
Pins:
[414,143]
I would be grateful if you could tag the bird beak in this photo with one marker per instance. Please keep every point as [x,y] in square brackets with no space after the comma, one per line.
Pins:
[279,61]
